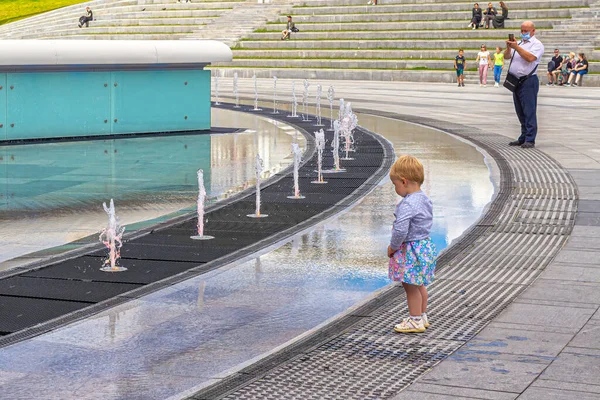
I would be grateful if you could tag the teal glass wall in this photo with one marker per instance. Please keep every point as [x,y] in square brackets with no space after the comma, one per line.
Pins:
[61,178]
[70,104]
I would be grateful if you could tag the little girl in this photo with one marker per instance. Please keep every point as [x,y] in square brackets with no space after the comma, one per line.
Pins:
[411,251]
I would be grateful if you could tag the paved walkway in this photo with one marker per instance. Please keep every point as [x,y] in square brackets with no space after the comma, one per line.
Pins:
[546,343]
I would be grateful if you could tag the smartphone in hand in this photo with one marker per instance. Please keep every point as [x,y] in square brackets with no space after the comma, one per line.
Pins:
[511,37]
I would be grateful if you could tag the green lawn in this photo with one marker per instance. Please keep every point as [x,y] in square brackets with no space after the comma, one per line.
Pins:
[12,10]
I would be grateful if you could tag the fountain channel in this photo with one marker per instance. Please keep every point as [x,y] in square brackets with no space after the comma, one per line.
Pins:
[174,341]
[59,188]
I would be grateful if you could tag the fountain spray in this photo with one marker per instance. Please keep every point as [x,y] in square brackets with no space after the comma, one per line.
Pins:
[294,102]
[275,111]
[201,201]
[348,124]
[335,148]
[305,101]
[330,97]
[319,94]
[112,237]
[235,90]
[259,166]
[320,143]
[297,152]
[255,95]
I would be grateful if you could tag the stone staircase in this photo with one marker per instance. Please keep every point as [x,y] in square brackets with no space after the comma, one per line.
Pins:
[121,19]
[398,39]
[583,28]
[402,40]
[245,18]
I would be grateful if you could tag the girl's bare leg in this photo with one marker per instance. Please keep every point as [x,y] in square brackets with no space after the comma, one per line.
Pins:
[424,297]
[414,299]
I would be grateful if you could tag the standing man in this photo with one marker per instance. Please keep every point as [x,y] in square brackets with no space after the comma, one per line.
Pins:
[527,55]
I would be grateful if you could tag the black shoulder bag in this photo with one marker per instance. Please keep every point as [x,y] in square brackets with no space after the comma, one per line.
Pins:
[512,82]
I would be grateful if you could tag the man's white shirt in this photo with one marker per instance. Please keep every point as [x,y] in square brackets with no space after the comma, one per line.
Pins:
[519,66]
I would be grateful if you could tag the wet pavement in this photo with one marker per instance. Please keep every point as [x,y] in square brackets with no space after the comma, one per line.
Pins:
[200,330]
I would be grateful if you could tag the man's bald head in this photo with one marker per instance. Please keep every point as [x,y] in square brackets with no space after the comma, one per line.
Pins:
[528,26]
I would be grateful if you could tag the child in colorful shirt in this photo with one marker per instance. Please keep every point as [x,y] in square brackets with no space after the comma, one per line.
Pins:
[460,63]
[411,251]
[498,65]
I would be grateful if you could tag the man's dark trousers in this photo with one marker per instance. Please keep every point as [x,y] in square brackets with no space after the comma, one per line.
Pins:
[525,99]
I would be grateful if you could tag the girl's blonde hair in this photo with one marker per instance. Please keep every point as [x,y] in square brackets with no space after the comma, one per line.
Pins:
[408,167]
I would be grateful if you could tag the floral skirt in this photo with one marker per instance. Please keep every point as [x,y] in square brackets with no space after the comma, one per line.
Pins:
[414,263]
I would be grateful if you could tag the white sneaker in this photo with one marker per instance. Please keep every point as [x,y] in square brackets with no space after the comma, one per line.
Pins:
[496,84]
[369,3]
[408,325]
[473,28]
[481,85]
[426,323]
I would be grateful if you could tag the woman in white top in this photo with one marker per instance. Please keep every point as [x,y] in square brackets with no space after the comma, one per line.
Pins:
[485,62]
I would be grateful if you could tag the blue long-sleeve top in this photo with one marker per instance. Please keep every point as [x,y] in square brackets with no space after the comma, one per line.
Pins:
[414,219]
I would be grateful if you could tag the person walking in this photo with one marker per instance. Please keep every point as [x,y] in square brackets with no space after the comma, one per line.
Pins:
[485,63]
[498,65]
[525,56]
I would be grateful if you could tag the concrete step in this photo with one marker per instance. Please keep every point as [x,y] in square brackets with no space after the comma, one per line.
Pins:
[189,22]
[454,44]
[117,15]
[420,16]
[363,74]
[401,35]
[346,63]
[353,54]
[437,8]
[447,64]
[160,36]
[385,26]
[120,30]
[220,3]
[424,3]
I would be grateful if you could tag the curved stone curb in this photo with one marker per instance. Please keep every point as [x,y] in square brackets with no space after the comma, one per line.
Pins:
[358,356]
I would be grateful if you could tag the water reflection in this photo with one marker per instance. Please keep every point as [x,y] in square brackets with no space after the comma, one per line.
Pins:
[62,185]
[195,331]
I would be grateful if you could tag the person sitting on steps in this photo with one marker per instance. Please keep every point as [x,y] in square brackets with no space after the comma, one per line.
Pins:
[498,21]
[289,28]
[580,69]
[85,19]
[476,18]
[490,14]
